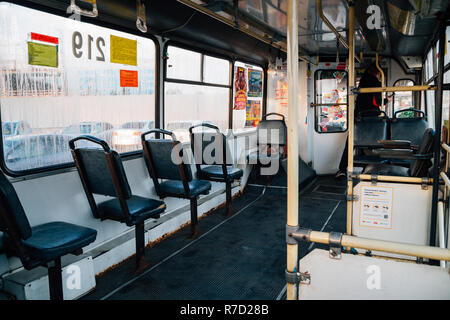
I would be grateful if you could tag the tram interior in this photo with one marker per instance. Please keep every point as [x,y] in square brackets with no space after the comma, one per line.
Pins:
[135,226]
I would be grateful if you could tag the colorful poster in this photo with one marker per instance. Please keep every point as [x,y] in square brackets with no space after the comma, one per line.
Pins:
[254,83]
[42,54]
[123,51]
[240,89]
[129,78]
[253,113]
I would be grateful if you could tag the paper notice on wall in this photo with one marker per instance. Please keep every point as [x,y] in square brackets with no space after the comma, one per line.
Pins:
[42,55]
[376,207]
[253,113]
[123,51]
[240,89]
[129,78]
[255,83]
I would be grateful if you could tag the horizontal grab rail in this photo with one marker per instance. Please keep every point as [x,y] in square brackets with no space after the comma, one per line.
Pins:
[396,89]
[369,177]
[407,249]
[328,104]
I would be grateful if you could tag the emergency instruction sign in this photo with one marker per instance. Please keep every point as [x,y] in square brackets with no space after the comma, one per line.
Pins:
[376,207]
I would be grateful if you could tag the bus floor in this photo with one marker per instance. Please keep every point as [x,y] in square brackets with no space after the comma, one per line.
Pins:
[241,257]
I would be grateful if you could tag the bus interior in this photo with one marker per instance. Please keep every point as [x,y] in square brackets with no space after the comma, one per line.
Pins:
[191,150]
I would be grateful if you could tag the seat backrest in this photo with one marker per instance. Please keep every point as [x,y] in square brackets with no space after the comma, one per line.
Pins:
[164,157]
[13,220]
[411,129]
[419,168]
[369,130]
[273,131]
[101,168]
[209,147]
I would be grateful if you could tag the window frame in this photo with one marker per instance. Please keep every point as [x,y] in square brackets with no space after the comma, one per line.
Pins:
[69,166]
[213,54]
[315,95]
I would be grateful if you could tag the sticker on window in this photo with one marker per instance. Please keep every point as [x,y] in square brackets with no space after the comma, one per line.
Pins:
[129,78]
[123,51]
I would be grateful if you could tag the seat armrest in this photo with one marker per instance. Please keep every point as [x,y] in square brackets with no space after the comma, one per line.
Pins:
[404,154]
[395,144]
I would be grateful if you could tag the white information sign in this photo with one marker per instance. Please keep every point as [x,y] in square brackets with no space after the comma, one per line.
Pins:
[376,207]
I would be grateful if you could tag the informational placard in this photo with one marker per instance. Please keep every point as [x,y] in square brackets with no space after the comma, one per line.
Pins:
[123,50]
[376,207]
[255,83]
[240,89]
[40,54]
[129,79]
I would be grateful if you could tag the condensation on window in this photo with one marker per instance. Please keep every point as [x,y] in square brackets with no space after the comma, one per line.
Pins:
[187,105]
[61,78]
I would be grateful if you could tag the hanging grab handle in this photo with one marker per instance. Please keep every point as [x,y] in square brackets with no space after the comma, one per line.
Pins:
[141,22]
[73,8]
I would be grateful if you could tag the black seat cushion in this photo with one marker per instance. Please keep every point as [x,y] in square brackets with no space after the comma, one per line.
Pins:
[370,130]
[55,239]
[386,170]
[216,173]
[175,187]
[140,209]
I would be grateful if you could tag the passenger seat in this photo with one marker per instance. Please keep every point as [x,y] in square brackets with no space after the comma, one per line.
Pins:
[420,164]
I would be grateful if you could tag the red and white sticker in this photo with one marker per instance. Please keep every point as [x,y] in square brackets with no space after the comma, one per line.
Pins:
[44,38]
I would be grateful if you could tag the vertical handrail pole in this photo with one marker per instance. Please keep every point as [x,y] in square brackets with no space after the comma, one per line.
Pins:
[351,116]
[441,229]
[383,84]
[438,124]
[292,196]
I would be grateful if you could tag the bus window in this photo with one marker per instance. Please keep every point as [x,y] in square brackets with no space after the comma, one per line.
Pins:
[248,86]
[430,102]
[447,53]
[183,64]
[203,98]
[404,99]
[446,100]
[64,78]
[331,91]
[429,71]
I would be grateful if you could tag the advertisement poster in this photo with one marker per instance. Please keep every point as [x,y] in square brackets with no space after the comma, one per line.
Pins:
[254,83]
[376,207]
[253,113]
[240,89]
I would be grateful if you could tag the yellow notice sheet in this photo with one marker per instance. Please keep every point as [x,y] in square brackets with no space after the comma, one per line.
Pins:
[123,51]
[42,55]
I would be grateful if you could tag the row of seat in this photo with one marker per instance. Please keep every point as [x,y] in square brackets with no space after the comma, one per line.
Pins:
[369,130]
[102,173]
[398,146]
